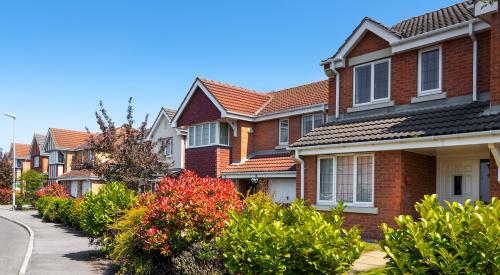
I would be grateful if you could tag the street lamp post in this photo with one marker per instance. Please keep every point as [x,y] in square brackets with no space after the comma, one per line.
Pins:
[13,159]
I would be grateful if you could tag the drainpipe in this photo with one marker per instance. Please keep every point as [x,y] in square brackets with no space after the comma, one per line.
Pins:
[337,89]
[474,60]
[297,157]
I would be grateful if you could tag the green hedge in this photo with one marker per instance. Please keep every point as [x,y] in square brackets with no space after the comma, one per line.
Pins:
[455,239]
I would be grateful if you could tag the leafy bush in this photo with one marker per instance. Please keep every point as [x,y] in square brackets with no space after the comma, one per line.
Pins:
[457,239]
[32,181]
[186,210]
[53,190]
[100,210]
[55,209]
[42,203]
[74,215]
[199,258]
[5,196]
[267,238]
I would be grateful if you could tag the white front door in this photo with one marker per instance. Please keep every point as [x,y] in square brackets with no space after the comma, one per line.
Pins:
[458,180]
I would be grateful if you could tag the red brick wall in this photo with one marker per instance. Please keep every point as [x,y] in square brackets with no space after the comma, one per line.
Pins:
[494,184]
[266,133]
[199,109]
[223,159]
[495,60]
[202,161]
[457,70]
[369,43]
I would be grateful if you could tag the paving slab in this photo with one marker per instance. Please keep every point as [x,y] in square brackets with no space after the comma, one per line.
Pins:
[368,261]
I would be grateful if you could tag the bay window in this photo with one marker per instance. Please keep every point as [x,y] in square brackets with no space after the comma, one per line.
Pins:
[429,70]
[346,178]
[309,122]
[209,133]
[372,82]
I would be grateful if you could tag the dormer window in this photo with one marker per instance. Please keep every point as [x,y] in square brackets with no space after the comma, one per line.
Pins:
[429,70]
[372,82]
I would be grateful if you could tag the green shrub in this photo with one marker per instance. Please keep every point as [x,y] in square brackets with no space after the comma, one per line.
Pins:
[270,239]
[456,239]
[42,204]
[100,210]
[74,215]
[54,212]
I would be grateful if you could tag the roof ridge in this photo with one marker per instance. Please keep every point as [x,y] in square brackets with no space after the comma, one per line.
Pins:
[53,128]
[232,86]
[294,87]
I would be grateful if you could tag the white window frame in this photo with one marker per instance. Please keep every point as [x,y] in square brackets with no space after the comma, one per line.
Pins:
[36,161]
[217,135]
[165,141]
[334,201]
[372,86]
[312,116]
[287,129]
[419,73]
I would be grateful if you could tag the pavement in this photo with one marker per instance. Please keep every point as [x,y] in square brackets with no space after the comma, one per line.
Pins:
[57,249]
[368,261]
[14,241]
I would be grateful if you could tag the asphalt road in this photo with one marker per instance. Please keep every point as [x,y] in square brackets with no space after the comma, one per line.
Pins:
[13,244]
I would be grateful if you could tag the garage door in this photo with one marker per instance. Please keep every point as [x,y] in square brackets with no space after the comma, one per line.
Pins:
[282,190]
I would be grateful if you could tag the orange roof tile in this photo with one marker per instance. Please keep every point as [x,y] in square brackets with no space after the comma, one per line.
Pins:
[297,97]
[248,102]
[68,139]
[22,150]
[84,173]
[236,99]
[271,163]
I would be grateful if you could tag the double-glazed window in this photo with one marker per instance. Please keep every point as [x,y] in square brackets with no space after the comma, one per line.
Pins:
[346,178]
[167,145]
[210,133]
[36,161]
[283,131]
[60,157]
[309,122]
[429,70]
[372,82]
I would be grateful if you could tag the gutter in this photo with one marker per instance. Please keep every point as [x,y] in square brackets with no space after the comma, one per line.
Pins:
[474,60]
[297,157]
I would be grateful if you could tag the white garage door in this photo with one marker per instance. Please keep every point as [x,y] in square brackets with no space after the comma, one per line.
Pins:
[282,190]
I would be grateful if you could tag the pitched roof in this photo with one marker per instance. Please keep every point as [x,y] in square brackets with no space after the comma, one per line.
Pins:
[436,121]
[236,99]
[247,102]
[40,139]
[442,18]
[83,173]
[68,139]
[264,163]
[170,112]
[22,150]
[297,97]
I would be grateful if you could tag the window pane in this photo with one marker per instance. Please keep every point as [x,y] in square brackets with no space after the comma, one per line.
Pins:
[318,120]
[345,179]
[191,136]
[213,132]
[365,179]
[363,84]
[430,70]
[224,133]
[307,124]
[381,80]
[283,131]
[198,135]
[326,180]
[206,134]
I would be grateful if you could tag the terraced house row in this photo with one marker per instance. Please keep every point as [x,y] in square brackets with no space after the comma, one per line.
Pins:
[403,111]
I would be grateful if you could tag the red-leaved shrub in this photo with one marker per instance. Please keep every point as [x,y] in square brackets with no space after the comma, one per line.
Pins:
[185,210]
[5,195]
[53,190]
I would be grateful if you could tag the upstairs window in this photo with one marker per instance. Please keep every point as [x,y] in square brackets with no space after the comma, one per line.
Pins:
[283,132]
[19,163]
[372,82]
[207,134]
[429,70]
[167,145]
[60,157]
[309,122]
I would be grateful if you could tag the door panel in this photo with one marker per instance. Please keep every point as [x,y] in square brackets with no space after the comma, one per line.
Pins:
[458,180]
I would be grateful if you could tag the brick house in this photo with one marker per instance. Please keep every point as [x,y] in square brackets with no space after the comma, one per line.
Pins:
[22,159]
[242,135]
[414,109]
[39,158]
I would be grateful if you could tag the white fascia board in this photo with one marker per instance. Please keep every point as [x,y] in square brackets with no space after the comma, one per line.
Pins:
[78,178]
[155,123]
[437,36]
[367,25]
[249,175]
[311,109]
[404,144]
[49,134]
[197,84]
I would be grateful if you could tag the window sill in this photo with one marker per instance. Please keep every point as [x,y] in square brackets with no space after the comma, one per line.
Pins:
[428,97]
[371,106]
[281,147]
[349,209]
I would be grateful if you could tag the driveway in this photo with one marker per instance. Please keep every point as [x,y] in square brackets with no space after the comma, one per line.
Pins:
[57,249]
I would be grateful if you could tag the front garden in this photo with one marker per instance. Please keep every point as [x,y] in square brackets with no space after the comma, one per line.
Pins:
[193,225]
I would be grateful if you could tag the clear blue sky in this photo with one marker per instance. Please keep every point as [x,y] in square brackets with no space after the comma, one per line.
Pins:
[59,58]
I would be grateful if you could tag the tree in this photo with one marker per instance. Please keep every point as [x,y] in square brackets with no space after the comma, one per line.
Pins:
[124,154]
[5,172]
[32,181]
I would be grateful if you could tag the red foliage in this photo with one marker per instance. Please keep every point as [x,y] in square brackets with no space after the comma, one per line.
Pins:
[186,209]
[5,195]
[53,190]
